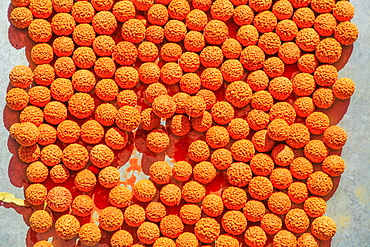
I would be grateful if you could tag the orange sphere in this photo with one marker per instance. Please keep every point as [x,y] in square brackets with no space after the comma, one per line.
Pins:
[260,188]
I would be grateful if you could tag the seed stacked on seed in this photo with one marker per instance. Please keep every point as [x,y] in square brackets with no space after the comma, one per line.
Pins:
[220,74]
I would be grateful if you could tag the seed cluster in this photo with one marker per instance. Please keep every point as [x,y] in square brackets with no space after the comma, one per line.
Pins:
[241,85]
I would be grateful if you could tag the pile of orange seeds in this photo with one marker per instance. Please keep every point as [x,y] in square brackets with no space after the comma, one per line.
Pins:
[242,85]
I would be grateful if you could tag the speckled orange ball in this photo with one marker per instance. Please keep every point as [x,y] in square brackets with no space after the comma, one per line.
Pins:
[180,125]
[283,110]
[134,215]
[260,188]
[121,238]
[110,219]
[269,43]
[149,73]
[239,174]
[278,129]
[238,128]
[149,120]
[254,210]
[104,67]
[298,192]
[128,118]
[212,79]
[243,15]
[335,137]
[343,88]
[101,156]
[21,76]
[234,198]
[37,172]
[271,223]
[44,74]
[307,239]
[287,30]
[281,178]
[279,203]
[103,45]
[193,192]
[222,10]
[59,174]
[315,206]
[147,52]
[212,205]
[301,168]
[333,165]
[59,199]
[148,233]
[89,234]
[64,67]
[82,205]
[190,83]
[217,137]
[299,136]
[171,226]
[280,88]
[304,106]
[43,243]
[157,141]
[160,172]
[297,221]
[234,222]
[190,214]
[227,240]
[26,134]
[175,31]
[61,89]
[154,34]
[51,155]
[48,134]
[204,172]
[323,228]
[17,99]
[154,90]
[62,6]
[85,180]
[124,11]
[125,53]
[329,50]
[195,106]
[316,151]
[282,9]
[144,190]
[67,226]
[75,156]
[319,183]
[317,122]
[40,30]
[182,171]
[307,63]
[29,154]
[155,211]
[83,12]
[68,131]
[63,24]
[274,67]
[109,177]
[284,238]
[221,158]
[120,196]
[216,32]
[164,241]
[84,57]
[41,8]
[81,105]
[21,17]
[194,41]
[255,236]
[207,230]
[343,11]
[325,24]
[171,73]
[262,142]
[32,114]
[262,164]
[40,221]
